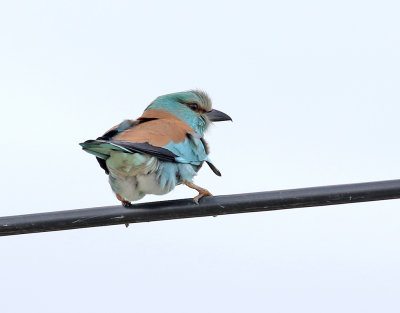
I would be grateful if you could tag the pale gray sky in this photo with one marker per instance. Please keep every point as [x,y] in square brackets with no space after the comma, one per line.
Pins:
[313,89]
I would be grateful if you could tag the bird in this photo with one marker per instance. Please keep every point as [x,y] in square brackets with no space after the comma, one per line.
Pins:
[161,149]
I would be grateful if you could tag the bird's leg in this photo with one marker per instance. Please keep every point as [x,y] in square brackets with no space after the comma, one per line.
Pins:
[125,204]
[202,192]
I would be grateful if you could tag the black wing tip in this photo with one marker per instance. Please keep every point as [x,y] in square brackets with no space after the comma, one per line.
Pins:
[103,165]
[214,169]
[145,147]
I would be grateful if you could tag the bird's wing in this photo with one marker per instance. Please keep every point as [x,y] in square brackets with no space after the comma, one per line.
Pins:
[157,133]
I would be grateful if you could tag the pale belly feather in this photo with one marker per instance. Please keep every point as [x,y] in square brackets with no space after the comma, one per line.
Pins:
[134,188]
[132,176]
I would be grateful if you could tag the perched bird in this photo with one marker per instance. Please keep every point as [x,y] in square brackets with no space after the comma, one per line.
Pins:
[163,148]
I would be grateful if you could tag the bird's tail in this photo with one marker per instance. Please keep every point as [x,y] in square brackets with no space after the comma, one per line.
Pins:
[101,148]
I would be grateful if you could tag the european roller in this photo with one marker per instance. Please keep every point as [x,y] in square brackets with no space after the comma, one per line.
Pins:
[163,148]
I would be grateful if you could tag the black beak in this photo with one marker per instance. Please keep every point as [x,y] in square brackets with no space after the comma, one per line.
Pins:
[217,116]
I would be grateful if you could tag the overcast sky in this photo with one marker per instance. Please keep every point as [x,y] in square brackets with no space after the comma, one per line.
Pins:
[313,89]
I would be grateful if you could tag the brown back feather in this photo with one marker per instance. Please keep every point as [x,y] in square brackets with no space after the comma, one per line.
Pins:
[162,128]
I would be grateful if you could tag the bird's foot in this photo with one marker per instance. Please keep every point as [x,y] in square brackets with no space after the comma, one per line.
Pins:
[202,191]
[124,202]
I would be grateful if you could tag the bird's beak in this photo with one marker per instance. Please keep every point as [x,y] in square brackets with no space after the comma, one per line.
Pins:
[217,116]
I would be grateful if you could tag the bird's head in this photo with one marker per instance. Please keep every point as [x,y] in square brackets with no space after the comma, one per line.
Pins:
[193,107]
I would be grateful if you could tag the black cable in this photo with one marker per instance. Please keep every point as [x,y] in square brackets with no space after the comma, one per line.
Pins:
[209,206]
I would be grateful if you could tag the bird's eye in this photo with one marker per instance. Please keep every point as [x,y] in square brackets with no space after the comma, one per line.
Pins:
[193,106]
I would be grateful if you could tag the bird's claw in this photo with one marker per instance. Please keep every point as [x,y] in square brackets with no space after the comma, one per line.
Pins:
[203,193]
[126,204]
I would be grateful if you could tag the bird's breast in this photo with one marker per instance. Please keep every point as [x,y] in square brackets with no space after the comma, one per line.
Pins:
[136,187]
[133,180]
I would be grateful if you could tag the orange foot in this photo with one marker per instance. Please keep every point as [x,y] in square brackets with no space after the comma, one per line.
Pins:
[202,192]
[125,204]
